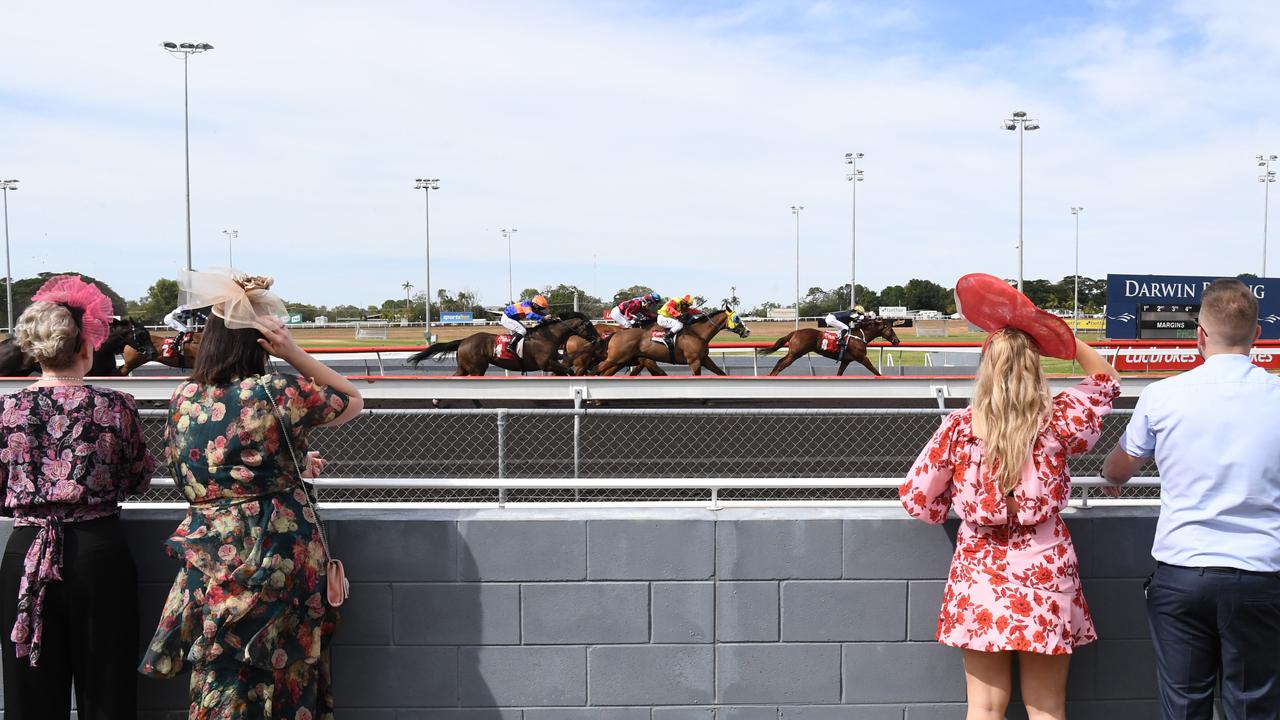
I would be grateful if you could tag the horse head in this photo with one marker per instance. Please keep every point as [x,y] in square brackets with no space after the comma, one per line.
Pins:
[733,324]
[577,324]
[884,328]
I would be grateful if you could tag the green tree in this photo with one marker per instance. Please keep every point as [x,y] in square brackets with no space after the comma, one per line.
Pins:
[927,295]
[627,293]
[895,295]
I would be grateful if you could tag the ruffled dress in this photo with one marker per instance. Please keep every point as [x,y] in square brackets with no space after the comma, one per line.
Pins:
[247,609]
[1014,582]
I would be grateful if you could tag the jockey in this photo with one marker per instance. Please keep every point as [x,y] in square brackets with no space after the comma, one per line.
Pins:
[675,313]
[858,317]
[637,311]
[535,309]
[184,321]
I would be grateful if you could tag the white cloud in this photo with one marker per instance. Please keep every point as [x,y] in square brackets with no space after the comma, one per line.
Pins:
[669,146]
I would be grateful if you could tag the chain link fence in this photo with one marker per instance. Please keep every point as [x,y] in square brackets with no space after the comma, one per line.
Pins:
[625,455]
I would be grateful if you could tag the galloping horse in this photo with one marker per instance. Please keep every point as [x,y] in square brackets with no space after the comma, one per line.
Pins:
[123,333]
[541,347]
[585,356]
[802,342]
[153,351]
[628,347]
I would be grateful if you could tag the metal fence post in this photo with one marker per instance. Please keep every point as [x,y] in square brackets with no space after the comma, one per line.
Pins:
[577,439]
[502,454]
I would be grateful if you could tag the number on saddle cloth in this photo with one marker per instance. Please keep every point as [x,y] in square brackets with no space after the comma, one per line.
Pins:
[504,347]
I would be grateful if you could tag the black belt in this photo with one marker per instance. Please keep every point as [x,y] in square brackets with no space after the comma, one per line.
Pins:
[1222,570]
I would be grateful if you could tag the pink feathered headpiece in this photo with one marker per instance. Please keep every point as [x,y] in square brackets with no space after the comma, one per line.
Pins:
[95,307]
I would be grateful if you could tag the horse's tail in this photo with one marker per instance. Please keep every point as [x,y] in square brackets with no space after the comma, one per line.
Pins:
[437,349]
[777,344]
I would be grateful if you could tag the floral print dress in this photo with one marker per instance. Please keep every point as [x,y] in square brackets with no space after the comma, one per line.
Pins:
[1014,582]
[68,453]
[247,609]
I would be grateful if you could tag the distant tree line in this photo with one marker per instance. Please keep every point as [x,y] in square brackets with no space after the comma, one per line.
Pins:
[920,294]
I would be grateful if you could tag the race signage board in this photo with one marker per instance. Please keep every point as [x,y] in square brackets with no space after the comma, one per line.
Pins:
[456,317]
[1176,359]
[1128,295]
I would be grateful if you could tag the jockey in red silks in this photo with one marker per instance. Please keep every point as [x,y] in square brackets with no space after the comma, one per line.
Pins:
[637,311]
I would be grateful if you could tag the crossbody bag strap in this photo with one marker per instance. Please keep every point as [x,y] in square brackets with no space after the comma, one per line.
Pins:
[285,428]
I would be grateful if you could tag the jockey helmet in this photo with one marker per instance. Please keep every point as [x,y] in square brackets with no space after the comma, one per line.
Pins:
[687,299]
[655,297]
[859,309]
[540,301]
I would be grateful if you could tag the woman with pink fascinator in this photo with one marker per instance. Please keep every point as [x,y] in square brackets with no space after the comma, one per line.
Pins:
[69,452]
[253,607]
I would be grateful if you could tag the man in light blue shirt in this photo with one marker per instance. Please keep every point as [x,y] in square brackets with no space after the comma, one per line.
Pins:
[1213,602]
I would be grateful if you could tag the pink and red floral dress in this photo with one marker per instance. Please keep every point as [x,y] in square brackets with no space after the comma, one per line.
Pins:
[1014,582]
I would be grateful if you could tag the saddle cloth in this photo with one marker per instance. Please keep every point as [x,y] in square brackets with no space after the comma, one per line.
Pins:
[168,350]
[504,347]
[658,336]
[830,341]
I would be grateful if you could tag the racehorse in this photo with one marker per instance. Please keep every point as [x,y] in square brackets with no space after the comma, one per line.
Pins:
[585,356]
[122,333]
[541,347]
[628,347]
[802,342]
[153,351]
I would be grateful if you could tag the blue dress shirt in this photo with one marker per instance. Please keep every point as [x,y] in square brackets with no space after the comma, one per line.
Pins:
[1215,434]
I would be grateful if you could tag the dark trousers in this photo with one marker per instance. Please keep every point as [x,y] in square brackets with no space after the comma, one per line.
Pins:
[90,628]
[1212,626]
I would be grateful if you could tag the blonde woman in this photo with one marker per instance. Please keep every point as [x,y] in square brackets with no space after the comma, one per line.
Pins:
[1001,464]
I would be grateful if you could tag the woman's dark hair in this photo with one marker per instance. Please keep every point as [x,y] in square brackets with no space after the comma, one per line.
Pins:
[226,354]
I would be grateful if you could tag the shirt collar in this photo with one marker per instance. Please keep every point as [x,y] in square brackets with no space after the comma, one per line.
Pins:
[1228,359]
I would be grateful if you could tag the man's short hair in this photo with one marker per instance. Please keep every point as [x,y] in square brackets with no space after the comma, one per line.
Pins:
[1232,312]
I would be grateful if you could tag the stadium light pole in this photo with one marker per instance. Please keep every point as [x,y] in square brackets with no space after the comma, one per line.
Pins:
[795,210]
[1267,177]
[1021,123]
[231,235]
[5,187]
[507,234]
[854,177]
[186,50]
[1075,303]
[426,185]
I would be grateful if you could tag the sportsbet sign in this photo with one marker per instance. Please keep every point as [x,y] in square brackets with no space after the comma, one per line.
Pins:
[1164,307]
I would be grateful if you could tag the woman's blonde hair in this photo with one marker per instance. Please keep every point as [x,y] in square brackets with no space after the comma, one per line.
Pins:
[49,334]
[1011,401]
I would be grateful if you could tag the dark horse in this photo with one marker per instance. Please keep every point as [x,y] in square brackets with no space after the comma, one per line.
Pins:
[123,333]
[541,347]
[802,342]
[135,358]
[629,347]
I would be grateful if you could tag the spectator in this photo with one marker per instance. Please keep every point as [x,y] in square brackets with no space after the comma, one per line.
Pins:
[1001,464]
[1213,603]
[68,584]
[248,607]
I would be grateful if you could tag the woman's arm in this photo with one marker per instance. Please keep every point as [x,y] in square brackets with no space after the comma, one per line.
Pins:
[1091,362]
[277,340]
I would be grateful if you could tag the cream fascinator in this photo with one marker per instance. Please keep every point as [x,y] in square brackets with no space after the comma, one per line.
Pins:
[237,298]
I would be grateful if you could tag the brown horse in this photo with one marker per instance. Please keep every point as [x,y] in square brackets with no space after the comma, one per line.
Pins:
[587,355]
[628,347]
[541,347]
[134,358]
[802,342]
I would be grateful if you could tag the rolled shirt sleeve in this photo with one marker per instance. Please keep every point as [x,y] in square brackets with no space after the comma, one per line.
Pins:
[1139,439]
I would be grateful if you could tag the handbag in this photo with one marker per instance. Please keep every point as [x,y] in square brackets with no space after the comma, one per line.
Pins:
[338,588]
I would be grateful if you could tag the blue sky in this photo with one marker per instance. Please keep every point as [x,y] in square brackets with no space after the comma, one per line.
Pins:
[666,139]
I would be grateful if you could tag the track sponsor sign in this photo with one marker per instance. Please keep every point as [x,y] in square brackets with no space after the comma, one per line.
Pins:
[456,317]
[1165,306]
[1176,359]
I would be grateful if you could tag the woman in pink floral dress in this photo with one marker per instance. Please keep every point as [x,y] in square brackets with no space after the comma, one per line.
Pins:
[1001,464]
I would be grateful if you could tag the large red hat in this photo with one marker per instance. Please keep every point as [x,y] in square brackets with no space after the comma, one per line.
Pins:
[991,304]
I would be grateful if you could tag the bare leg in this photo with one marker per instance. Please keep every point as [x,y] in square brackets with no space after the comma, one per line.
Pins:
[1044,685]
[988,683]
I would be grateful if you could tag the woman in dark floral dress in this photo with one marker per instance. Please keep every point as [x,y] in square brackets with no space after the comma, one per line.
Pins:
[247,610]
[68,585]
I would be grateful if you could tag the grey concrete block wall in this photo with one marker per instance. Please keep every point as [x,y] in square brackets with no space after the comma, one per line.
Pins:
[672,614]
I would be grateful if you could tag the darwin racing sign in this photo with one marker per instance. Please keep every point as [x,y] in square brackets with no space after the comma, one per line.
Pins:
[1164,306]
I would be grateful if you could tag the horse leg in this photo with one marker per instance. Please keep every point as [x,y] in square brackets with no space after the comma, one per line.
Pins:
[843,365]
[639,368]
[710,364]
[695,366]
[783,364]
[652,367]
[866,362]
